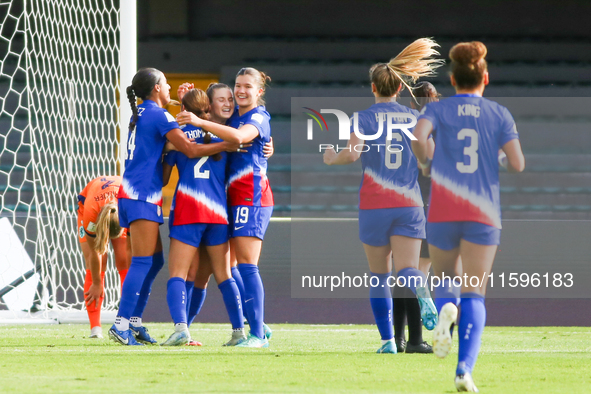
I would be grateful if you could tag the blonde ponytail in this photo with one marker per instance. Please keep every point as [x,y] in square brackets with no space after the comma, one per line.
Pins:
[107,227]
[415,61]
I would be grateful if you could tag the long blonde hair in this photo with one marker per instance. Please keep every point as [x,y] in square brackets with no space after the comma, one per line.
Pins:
[415,61]
[107,227]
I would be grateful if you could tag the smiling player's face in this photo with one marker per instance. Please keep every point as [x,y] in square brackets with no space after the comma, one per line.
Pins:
[222,105]
[246,91]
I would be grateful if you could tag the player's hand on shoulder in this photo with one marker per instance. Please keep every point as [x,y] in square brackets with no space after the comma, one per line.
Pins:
[186,117]
[329,156]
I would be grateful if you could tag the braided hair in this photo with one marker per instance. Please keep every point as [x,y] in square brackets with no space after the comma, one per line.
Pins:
[141,87]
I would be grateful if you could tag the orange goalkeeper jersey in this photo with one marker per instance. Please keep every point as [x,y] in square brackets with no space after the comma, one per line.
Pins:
[93,198]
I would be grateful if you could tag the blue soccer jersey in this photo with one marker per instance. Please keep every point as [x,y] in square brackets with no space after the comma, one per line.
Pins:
[470,130]
[247,172]
[142,179]
[200,195]
[389,172]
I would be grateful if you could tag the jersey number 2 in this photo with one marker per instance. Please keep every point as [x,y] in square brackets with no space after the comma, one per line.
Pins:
[471,151]
[197,169]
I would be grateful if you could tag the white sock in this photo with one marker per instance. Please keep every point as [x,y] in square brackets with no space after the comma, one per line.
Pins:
[121,323]
[384,341]
[136,321]
[180,327]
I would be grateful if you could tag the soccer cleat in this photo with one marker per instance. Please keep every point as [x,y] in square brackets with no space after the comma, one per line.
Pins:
[177,338]
[193,343]
[400,345]
[428,310]
[442,334]
[464,382]
[253,341]
[123,337]
[141,335]
[388,347]
[237,337]
[423,348]
[96,332]
[268,332]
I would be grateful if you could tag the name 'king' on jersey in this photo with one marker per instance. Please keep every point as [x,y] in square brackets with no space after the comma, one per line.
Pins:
[389,175]
[470,130]
[142,179]
[247,172]
[200,195]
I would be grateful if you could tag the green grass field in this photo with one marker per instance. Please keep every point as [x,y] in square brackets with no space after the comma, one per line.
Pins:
[301,358]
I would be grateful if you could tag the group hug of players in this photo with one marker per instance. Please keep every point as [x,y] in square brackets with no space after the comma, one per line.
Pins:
[223,203]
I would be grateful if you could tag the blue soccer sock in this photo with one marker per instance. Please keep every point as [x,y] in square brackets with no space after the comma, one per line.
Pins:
[196,303]
[231,297]
[381,304]
[413,278]
[139,268]
[176,296]
[146,288]
[446,292]
[240,284]
[189,289]
[254,298]
[470,327]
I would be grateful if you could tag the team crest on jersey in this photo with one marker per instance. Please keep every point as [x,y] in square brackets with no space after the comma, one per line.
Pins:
[81,232]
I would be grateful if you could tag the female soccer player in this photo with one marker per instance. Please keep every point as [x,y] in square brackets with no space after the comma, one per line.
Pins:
[391,217]
[140,195]
[249,193]
[221,109]
[98,221]
[199,216]
[464,215]
[406,306]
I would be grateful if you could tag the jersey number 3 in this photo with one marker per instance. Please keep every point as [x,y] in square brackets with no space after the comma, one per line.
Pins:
[471,151]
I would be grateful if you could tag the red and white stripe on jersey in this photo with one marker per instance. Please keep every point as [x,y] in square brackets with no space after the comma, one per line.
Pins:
[192,206]
[451,202]
[127,191]
[240,187]
[376,192]
[155,198]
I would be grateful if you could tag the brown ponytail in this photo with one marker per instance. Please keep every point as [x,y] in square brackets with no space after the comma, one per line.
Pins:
[107,227]
[468,64]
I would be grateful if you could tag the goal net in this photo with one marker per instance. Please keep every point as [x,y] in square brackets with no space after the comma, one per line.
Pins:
[59,76]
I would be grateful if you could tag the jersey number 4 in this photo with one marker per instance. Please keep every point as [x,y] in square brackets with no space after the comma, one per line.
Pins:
[471,151]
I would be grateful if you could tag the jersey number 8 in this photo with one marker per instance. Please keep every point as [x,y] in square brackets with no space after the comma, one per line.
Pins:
[471,151]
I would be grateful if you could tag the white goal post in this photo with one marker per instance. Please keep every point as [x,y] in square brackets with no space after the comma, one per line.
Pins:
[63,66]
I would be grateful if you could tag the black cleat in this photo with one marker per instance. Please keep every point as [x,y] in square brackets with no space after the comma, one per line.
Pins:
[400,345]
[420,348]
